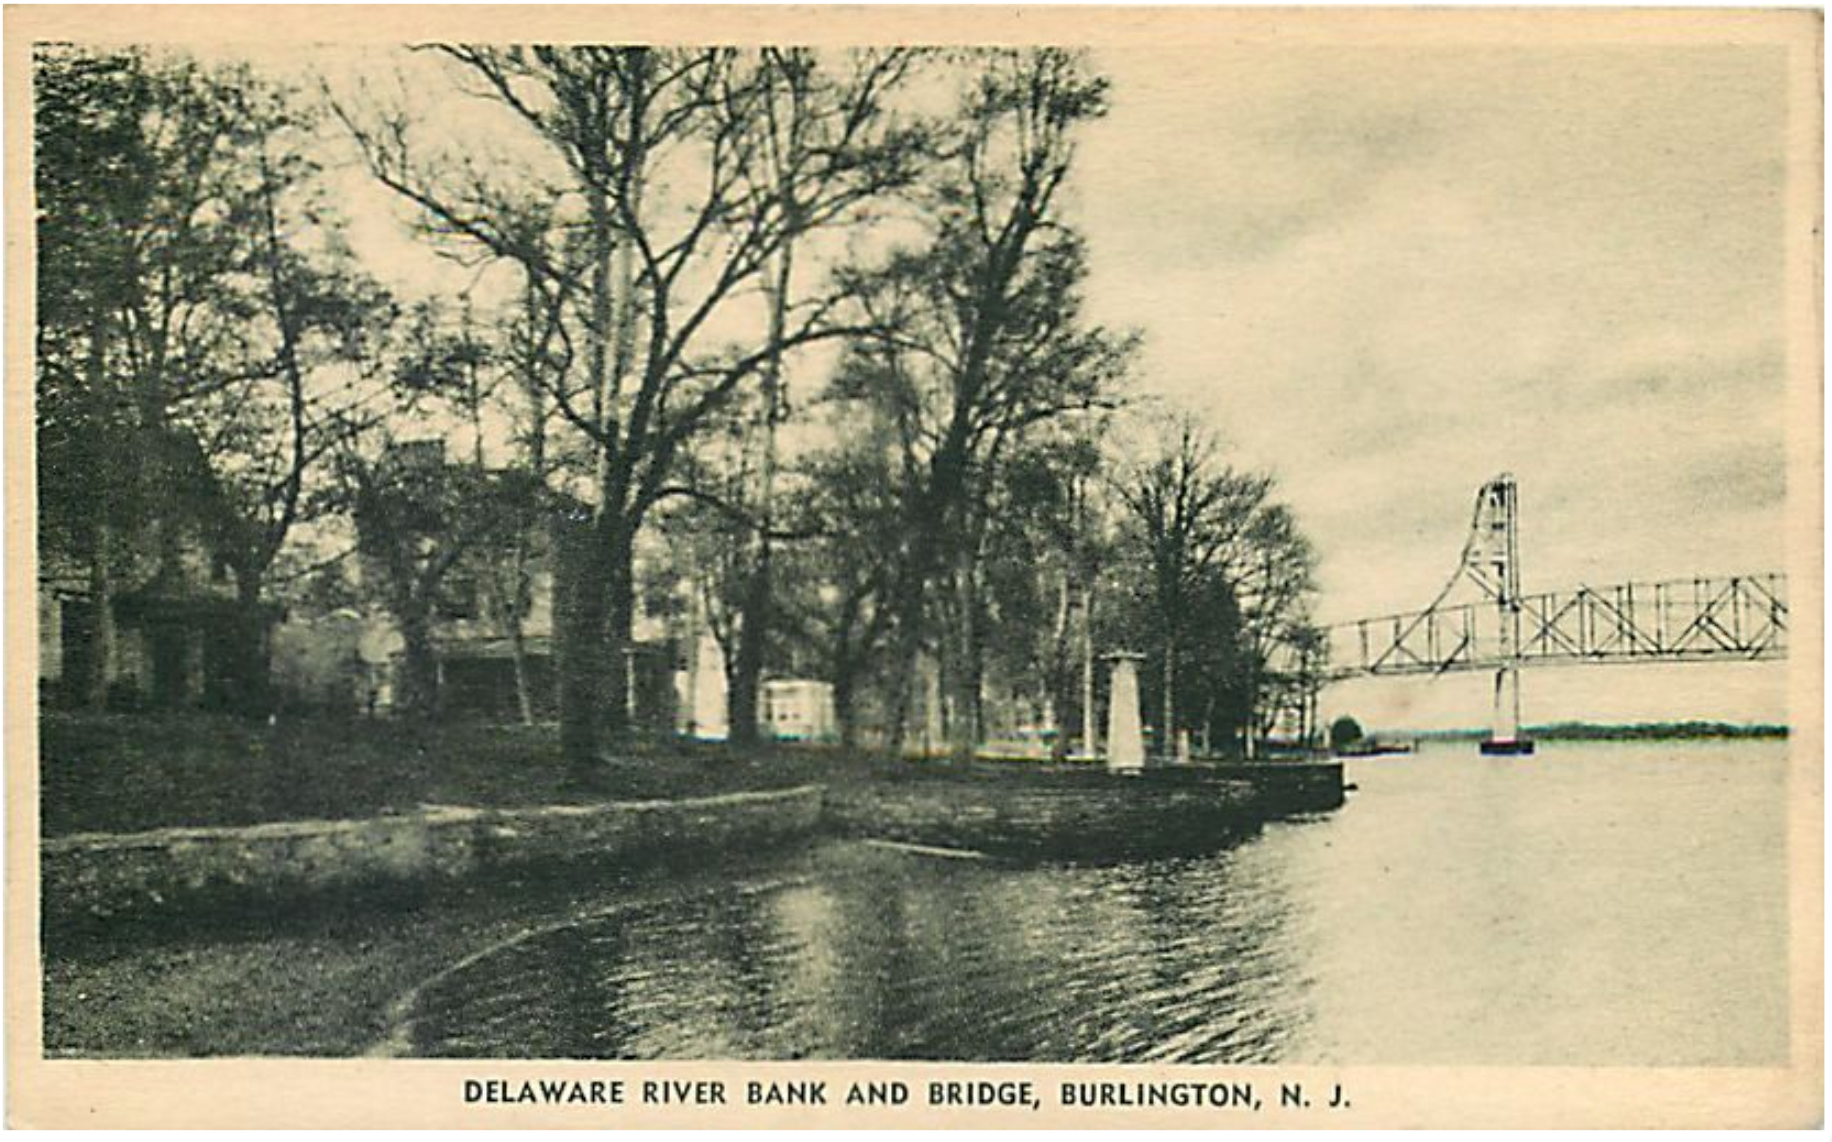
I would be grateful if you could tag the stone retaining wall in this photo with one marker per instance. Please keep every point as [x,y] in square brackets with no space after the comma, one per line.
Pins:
[1052,814]
[100,875]
[1289,786]
[104,874]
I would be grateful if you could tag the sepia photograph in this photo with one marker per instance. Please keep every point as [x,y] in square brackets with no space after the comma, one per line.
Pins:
[1215,556]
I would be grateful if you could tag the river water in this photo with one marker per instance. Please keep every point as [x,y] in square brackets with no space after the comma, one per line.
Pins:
[1600,903]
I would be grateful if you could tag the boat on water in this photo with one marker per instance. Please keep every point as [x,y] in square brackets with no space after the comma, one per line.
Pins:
[1511,747]
[1372,747]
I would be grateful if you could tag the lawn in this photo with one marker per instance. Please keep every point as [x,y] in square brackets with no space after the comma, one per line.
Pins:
[315,976]
[129,772]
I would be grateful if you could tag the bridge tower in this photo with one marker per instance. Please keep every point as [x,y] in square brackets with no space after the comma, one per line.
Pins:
[1502,631]
[1492,560]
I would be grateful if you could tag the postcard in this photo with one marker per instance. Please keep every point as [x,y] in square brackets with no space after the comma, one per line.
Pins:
[914,567]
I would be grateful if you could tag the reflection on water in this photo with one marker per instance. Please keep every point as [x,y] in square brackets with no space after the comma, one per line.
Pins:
[1596,904]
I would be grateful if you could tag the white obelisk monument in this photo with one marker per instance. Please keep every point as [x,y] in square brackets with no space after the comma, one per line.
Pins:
[1125,739]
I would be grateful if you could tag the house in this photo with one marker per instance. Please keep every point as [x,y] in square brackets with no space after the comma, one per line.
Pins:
[175,646]
[351,659]
[176,634]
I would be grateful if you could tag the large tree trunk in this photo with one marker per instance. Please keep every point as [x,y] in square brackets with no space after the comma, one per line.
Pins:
[518,658]
[594,609]
[620,700]
[1090,741]
[845,713]
[965,675]
[746,667]
[536,445]
[1061,679]
[419,662]
[102,643]
[610,614]
[1167,736]
[250,689]
[1251,732]
[905,657]
[754,630]
[102,650]
[847,660]
[592,613]
[579,609]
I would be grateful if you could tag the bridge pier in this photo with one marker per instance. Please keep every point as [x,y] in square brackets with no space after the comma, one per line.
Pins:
[1505,738]
[1493,560]
[1736,618]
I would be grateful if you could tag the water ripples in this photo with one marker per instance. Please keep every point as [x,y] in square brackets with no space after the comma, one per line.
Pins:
[1613,905]
[865,953]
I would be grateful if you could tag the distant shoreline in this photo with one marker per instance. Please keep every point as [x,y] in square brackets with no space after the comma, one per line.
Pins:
[1587,731]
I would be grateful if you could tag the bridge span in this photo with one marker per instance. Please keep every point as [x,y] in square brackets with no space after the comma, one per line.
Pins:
[1714,619]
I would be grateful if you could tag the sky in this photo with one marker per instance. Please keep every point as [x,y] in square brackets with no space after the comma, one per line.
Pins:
[1388,274]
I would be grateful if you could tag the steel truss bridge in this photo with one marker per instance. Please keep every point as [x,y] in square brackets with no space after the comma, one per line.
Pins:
[1502,630]
[1677,620]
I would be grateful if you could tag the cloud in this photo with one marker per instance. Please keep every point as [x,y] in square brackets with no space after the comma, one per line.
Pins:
[1388,275]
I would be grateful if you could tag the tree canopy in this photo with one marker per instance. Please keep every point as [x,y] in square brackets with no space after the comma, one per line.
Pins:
[791,344]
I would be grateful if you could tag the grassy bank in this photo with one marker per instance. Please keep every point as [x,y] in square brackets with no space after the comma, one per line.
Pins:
[316,976]
[126,773]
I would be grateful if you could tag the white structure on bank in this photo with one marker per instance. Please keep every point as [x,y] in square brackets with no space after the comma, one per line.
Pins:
[797,709]
[702,691]
[788,709]
[1125,736]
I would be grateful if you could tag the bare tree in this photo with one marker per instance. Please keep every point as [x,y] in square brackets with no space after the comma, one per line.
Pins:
[977,338]
[1211,542]
[226,332]
[800,111]
[419,518]
[649,276]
